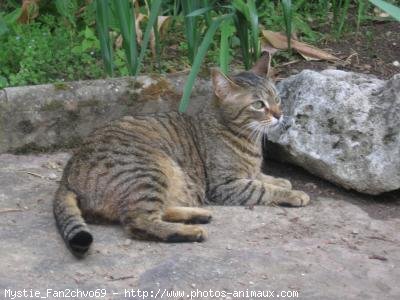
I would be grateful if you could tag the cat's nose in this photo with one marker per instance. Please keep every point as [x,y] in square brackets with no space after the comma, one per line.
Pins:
[277,114]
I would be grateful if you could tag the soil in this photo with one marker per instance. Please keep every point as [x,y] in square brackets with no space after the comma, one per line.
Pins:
[371,51]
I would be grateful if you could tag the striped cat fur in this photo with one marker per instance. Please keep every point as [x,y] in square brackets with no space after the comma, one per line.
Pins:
[151,173]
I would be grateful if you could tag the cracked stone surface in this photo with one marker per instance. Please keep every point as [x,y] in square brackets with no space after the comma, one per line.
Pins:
[346,128]
[332,249]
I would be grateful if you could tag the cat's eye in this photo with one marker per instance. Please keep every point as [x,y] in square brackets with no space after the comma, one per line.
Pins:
[258,105]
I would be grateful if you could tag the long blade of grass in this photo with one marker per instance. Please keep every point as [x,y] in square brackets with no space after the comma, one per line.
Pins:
[154,9]
[199,12]
[255,39]
[192,31]
[287,16]
[391,9]
[227,31]
[242,33]
[126,18]
[343,16]
[361,5]
[157,45]
[202,51]
[102,23]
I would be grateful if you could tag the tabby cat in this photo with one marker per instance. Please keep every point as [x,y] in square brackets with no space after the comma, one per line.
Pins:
[152,172]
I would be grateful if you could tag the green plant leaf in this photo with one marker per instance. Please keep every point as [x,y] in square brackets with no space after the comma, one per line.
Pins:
[67,9]
[3,26]
[154,9]
[287,16]
[387,7]
[205,44]
[102,23]
[253,19]
[227,31]
[126,18]
[199,12]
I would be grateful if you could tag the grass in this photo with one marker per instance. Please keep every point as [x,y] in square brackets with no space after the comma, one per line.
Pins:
[84,33]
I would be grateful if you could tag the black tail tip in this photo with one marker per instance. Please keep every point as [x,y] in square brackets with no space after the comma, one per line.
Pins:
[80,243]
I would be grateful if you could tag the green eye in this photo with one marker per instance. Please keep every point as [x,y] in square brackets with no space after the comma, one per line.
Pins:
[258,105]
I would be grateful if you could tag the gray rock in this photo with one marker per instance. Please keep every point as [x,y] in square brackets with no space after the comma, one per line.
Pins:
[54,116]
[345,128]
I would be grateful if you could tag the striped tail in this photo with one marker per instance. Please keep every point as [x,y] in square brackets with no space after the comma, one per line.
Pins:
[70,223]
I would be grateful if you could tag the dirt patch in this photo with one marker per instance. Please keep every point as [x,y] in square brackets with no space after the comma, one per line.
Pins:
[371,51]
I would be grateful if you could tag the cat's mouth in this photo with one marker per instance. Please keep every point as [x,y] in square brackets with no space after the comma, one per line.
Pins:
[283,123]
[273,122]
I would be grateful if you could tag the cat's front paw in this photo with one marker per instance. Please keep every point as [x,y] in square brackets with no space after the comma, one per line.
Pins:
[295,198]
[299,198]
[283,183]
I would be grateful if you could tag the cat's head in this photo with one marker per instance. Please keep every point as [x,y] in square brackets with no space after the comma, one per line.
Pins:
[248,100]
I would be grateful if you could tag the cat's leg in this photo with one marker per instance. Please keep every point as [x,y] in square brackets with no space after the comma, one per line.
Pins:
[141,212]
[191,215]
[148,225]
[281,182]
[242,191]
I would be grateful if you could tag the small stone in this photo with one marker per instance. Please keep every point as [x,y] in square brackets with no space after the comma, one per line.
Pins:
[52,176]
[193,285]
[396,63]
[127,242]
[251,282]
[310,185]
[228,247]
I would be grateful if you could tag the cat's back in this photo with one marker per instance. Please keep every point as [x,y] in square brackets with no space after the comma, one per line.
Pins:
[155,131]
[142,142]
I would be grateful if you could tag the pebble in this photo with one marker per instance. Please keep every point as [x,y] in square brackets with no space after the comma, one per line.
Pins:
[52,176]
[396,63]
[228,247]
[310,185]
[127,242]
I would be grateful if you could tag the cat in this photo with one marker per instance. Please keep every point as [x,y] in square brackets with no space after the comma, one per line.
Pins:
[151,173]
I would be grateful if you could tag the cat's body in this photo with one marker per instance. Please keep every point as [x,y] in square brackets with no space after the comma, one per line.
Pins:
[151,173]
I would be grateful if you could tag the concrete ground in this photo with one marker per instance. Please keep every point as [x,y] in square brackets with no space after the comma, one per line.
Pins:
[342,246]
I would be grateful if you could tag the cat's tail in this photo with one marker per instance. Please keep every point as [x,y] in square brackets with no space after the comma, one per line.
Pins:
[70,223]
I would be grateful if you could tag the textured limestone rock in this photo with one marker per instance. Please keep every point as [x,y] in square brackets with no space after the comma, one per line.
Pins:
[345,128]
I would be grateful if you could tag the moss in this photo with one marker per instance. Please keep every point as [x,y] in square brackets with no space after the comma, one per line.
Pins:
[61,86]
[52,105]
[26,126]
[29,148]
[161,88]
[89,103]
[130,98]
[134,84]
[73,142]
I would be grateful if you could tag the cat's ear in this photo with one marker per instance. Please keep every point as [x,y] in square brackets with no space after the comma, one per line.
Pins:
[223,86]
[263,66]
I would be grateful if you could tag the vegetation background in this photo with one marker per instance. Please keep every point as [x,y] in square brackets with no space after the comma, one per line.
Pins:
[58,40]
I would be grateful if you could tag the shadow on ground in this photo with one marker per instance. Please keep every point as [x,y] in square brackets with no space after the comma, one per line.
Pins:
[342,246]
